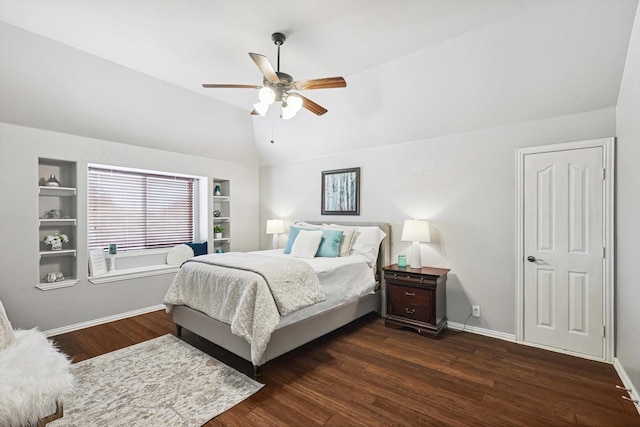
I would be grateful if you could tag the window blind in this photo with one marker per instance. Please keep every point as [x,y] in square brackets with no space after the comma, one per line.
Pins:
[139,210]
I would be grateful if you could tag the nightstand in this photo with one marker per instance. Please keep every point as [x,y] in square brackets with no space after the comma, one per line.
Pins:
[416,298]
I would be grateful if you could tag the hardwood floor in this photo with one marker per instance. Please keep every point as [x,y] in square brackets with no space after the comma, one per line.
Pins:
[367,375]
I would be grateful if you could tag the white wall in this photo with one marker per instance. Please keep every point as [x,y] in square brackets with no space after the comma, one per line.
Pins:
[20,148]
[464,184]
[628,213]
[49,85]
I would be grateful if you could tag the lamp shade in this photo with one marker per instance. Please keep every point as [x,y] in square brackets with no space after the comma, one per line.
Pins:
[275,226]
[267,95]
[295,102]
[261,108]
[416,230]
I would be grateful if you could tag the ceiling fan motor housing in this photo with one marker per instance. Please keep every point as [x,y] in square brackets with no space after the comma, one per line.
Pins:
[278,38]
[282,86]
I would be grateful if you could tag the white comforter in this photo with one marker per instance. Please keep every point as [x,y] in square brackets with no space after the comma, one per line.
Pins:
[242,298]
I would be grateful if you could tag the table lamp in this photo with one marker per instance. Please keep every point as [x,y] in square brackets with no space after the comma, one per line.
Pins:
[416,231]
[275,227]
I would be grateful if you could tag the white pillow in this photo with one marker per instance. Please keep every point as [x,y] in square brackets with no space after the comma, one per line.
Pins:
[302,224]
[306,244]
[348,233]
[367,243]
[179,254]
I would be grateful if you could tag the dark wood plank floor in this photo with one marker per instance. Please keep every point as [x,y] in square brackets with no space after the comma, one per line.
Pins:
[367,375]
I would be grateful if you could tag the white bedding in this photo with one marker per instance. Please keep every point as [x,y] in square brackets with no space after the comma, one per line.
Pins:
[342,279]
[248,306]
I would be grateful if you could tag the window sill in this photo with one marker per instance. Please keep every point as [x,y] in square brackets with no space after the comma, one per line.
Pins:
[133,273]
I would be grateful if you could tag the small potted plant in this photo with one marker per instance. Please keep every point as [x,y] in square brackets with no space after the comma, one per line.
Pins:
[56,240]
[217,231]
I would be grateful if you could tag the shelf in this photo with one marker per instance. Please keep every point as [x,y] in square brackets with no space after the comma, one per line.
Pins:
[133,273]
[224,239]
[64,252]
[57,191]
[48,222]
[220,199]
[56,285]
[220,219]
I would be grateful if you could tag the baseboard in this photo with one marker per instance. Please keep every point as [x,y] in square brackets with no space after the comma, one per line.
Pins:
[96,322]
[626,383]
[481,331]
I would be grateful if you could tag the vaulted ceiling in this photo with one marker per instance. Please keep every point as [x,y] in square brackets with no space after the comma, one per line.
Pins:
[415,69]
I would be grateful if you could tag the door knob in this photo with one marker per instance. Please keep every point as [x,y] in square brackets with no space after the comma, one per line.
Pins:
[531,258]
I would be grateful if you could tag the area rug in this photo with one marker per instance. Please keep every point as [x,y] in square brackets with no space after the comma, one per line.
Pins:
[161,382]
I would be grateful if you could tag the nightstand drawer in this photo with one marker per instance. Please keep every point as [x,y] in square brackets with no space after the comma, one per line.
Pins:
[409,295]
[408,278]
[411,303]
[415,312]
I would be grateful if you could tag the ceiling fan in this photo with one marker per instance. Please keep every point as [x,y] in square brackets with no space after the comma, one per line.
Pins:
[279,86]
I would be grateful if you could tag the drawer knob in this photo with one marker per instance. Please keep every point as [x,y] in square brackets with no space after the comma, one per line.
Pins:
[411,312]
[395,275]
[410,294]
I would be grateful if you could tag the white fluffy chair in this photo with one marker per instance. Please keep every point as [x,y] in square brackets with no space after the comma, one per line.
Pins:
[35,377]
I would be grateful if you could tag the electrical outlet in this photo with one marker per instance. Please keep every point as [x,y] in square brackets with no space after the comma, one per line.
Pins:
[475,310]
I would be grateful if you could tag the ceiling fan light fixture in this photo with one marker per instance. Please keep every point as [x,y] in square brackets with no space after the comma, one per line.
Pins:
[294,101]
[267,95]
[261,108]
[287,111]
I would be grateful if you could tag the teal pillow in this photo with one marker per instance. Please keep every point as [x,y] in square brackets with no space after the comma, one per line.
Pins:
[293,233]
[330,243]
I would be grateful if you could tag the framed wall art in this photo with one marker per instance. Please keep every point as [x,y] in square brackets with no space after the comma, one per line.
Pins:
[341,192]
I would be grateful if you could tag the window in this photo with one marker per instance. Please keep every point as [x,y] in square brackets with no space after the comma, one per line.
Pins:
[139,210]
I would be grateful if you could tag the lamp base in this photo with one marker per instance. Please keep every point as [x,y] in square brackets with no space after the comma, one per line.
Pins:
[275,241]
[416,259]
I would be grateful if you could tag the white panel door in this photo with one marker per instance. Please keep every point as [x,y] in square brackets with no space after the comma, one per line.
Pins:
[563,250]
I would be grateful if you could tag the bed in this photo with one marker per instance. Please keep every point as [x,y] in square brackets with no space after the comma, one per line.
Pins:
[303,325]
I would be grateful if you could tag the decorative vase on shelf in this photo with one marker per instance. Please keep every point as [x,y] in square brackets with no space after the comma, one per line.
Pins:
[56,245]
[217,191]
[52,181]
[217,235]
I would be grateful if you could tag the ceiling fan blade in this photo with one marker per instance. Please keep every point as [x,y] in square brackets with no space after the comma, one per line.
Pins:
[312,106]
[265,67]
[211,85]
[326,83]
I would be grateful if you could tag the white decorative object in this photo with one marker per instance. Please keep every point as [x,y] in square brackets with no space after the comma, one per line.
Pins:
[275,227]
[416,231]
[97,262]
[56,240]
[179,254]
[111,263]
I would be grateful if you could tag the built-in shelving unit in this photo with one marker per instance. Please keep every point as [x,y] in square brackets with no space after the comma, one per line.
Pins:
[57,211]
[221,203]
